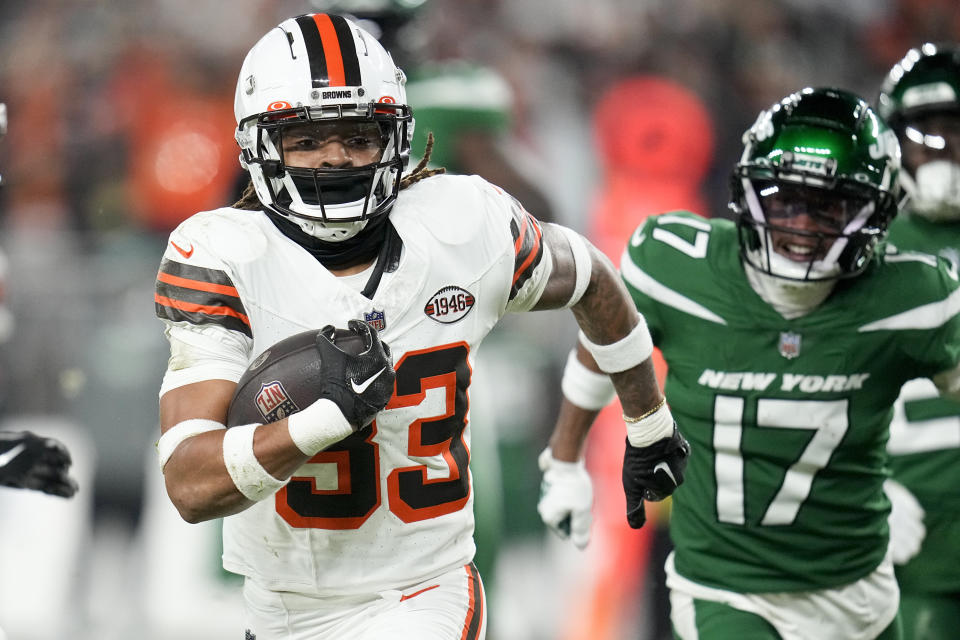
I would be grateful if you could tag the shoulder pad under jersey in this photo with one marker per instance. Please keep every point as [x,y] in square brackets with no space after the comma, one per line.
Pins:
[453,209]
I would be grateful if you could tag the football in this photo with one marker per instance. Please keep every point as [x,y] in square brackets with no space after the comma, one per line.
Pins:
[285,378]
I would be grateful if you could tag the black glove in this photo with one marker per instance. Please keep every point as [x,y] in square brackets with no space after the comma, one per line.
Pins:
[652,473]
[360,384]
[29,461]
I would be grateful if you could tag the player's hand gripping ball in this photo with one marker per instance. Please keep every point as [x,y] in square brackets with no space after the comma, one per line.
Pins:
[352,367]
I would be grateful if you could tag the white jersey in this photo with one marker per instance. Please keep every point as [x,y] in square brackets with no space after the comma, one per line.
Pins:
[390,505]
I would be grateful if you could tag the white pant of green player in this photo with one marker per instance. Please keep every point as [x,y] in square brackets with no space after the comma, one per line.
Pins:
[449,607]
[858,611]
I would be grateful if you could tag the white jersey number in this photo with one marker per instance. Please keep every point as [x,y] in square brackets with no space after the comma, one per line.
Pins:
[831,420]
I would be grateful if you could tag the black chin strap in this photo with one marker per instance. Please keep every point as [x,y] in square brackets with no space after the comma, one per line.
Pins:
[379,239]
[387,260]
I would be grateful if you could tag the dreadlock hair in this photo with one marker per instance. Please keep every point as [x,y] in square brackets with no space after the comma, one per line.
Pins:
[249,200]
[420,171]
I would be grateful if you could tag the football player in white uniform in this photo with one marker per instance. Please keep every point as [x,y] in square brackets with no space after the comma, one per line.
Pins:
[353,517]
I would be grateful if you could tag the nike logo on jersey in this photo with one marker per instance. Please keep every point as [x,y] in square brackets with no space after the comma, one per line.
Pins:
[360,388]
[663,466]
[8,457]
[186,253]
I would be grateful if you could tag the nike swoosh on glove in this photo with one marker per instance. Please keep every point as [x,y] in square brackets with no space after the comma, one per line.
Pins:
[566,495]
[907,529]
[359,384]
[652,473]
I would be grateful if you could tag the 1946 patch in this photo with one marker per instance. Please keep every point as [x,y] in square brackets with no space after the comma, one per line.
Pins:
[450,304]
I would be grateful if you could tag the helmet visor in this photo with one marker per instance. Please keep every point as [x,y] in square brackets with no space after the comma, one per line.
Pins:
[929,137]
[332,144]
[809,209]
[335,163]
[332,162]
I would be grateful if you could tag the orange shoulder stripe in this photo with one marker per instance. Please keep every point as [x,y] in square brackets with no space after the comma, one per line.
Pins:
[534,251]
[199,285]
[200,308]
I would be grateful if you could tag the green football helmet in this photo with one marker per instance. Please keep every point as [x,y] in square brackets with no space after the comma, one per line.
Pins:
[816,186]
[920,98]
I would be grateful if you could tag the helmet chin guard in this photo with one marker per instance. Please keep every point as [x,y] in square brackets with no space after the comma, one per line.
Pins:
[315,70]
[934,190]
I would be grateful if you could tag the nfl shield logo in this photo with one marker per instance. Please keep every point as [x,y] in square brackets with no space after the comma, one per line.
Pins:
[274,403]
[789,344]
[375,319]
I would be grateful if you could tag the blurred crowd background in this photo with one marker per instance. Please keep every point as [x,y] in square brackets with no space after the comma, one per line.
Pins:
[121,125]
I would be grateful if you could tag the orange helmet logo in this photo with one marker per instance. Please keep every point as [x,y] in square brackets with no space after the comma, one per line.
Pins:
[385,100]
[278,105]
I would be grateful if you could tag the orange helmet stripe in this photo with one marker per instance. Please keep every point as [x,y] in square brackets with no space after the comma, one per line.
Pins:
[331,49]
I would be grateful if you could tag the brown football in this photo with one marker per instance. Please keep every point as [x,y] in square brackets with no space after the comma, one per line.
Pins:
[285,378]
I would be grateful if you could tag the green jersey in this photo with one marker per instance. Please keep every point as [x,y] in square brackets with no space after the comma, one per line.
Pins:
[787,419]
[925,440]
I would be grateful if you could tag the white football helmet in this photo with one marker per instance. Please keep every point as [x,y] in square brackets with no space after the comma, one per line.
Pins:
[322,68]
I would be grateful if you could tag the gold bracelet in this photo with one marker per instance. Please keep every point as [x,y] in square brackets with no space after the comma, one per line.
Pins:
[630,420]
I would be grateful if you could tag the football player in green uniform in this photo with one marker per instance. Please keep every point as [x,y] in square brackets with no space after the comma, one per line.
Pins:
[920,98]
[788,334]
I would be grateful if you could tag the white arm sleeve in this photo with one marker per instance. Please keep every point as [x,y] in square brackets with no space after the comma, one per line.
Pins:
[207,352]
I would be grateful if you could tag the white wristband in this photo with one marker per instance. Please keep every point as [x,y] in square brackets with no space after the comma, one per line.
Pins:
[318,426]
[585,388]
[172,437]
[656,426]
[623,354]
[251,479]
[582,262]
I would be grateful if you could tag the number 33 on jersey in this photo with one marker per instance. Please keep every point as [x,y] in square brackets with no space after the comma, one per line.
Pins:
[366,513]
